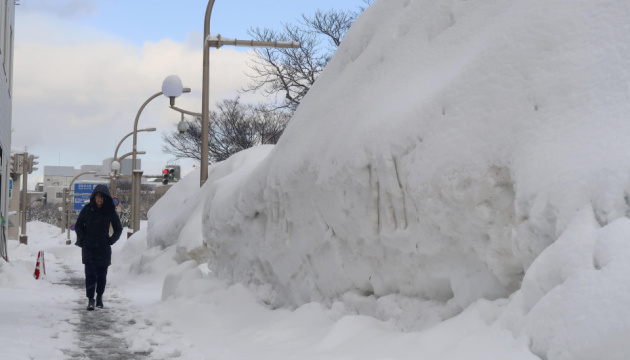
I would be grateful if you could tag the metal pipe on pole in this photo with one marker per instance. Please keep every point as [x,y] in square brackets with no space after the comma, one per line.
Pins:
[217,42]
[64,212]
[134,212]
[112,182]
[205,94]
[136,191]
[23,237]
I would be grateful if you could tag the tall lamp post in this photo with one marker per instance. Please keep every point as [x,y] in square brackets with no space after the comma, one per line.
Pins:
[66,209]
[116,168]
[217,42]
[171,88]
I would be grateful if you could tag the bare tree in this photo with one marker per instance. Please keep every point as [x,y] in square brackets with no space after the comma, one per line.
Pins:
[292,72]
[270,123]
[332,24]
[233,127]
[46,213]
[148,198]
[288,71]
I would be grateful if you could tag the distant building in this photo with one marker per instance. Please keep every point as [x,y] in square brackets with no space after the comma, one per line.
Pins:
[56,178]
[7,29]
[125,165]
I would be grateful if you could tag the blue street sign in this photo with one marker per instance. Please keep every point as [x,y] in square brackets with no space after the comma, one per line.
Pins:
[81,200]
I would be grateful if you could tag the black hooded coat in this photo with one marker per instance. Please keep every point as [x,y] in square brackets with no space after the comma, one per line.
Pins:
[92,229]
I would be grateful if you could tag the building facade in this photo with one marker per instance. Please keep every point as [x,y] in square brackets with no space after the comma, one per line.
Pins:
[7,29]
[56,178]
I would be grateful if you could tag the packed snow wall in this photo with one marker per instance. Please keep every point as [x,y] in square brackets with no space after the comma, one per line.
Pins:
[175,220]
[444,147]
[451,151]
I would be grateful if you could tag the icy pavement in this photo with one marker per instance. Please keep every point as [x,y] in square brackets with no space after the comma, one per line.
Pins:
[99,331]
[158,309]
[47,319]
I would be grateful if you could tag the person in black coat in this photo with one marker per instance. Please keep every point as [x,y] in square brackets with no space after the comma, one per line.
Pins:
[92,228]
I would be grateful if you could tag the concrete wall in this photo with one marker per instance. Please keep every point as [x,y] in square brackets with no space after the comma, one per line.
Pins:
[7,30]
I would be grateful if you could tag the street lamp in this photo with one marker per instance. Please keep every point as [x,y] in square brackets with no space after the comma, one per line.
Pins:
[217,42]
[66,212]
[115,167]
[115,164]
[182,126]
[171,88]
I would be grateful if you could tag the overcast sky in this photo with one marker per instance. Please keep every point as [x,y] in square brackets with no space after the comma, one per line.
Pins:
[83,68]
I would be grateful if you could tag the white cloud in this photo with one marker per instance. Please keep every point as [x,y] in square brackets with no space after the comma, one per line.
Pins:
[77,90]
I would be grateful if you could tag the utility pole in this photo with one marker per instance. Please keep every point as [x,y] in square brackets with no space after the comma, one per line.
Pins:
[27,168]
[23,237]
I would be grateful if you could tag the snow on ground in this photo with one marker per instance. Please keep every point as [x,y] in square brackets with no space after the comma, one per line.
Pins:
[450,152]
[455,186]
[161,310]
[36,315]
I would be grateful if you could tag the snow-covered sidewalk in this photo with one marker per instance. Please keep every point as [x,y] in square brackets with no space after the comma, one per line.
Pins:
[98,333]
[202,317]
[38,317]
[47,318]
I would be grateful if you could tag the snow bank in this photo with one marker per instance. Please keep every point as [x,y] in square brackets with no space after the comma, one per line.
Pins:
[442,150]
[573,301]
[451,151]
[176,218]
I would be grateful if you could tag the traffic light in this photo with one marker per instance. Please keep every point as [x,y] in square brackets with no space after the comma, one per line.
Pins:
[17,163]
[168,174]
[32,163]
[165,176]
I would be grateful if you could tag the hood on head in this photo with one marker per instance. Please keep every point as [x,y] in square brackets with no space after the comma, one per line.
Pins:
[103,189]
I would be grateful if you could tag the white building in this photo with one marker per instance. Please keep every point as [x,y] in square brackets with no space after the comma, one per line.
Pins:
[7,28]
[56,178]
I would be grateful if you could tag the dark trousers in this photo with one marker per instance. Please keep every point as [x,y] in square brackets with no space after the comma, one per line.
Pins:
[95,279]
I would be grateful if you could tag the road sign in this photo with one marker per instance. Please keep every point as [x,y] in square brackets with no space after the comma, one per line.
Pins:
[116,201]
[10,188]
[84,188]
[72,227]
[82,191]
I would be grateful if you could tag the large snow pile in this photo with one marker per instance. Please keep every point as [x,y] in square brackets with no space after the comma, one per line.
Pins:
[451,151]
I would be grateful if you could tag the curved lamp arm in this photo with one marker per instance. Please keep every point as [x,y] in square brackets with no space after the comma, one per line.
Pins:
[81,174]
[126,136]
[186,111]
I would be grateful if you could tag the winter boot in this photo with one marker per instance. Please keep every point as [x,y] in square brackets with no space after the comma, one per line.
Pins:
[90,305]
[99,301]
